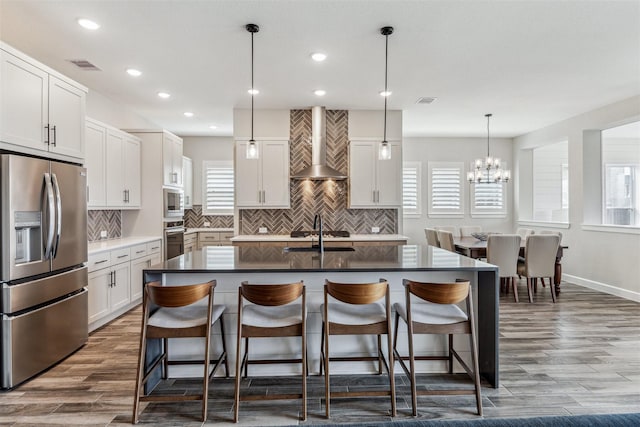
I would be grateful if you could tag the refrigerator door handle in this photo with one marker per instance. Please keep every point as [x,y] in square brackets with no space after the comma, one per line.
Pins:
[58,215]
[51,216]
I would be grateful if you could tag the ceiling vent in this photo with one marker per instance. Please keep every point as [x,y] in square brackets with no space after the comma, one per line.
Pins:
[84,64]
[425,100]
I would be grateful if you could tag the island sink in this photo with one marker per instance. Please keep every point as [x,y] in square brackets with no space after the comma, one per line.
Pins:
[317,249]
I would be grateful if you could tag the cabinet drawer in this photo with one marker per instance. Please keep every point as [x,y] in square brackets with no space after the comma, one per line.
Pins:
[209,236]
[139,251]
[99,261]
[225,237]
[190,238]
[120,255]
[153,247]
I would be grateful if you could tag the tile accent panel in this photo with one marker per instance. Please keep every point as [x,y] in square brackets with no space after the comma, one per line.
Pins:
[193,218]
[109,221]
[328,198]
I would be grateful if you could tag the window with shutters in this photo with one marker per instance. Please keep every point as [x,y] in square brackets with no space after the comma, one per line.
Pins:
[217,188]
[488,198]
[446,189]
[411,179]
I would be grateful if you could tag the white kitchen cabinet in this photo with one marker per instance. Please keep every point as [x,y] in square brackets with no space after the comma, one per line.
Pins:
[214,238]
[113,167]
[374,183]
[187,179]
[41,111]
[262,182]
[109,283]
[142,256]
[172,160]
[190,242]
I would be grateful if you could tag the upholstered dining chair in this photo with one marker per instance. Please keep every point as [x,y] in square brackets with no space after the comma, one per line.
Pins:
[185,311]
[435,311]
[446,240]
[558,233]
[466,230]
[357,309]
[524,232]
[503,251]
[450,228]
[274,310]
[432,237]
[540,261]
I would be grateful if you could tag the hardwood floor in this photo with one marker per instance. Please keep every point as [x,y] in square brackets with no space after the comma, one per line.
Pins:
[578,356]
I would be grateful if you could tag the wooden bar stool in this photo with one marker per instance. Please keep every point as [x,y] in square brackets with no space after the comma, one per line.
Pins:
[272,313]
[185,311]
[355,309]
[438,314]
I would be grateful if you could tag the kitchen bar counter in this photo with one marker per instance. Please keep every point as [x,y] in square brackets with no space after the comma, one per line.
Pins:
[287,240]
[231,265]
[107,245]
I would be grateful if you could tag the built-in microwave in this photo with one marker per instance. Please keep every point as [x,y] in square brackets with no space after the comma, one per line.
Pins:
[173,204]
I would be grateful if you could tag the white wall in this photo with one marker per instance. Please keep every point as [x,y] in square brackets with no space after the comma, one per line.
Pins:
[597,257]
[201,148]
[457,150]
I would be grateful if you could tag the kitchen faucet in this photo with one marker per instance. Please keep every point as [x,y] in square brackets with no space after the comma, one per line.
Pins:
[317,222]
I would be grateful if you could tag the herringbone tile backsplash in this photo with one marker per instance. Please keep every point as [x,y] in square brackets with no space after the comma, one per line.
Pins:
[193,218]
[109,221]
[328,198]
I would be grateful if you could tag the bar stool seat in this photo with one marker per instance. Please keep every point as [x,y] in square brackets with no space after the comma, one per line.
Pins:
[345,314]
[272,316]
[434,314]
[186,317]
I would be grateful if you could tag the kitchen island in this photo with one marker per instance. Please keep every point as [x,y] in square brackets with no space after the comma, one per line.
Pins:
[231,265]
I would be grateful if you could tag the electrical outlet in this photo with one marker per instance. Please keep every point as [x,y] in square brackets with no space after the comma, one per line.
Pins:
[375,229]
[262,230]
[103,233]
[207,224]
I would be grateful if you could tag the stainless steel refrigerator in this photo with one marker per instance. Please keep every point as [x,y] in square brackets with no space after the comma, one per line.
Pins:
[43,248]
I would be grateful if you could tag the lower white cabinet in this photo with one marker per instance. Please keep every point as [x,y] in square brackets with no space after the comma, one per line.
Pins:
[214,238]
[109,285]
[115,280]
[190,242]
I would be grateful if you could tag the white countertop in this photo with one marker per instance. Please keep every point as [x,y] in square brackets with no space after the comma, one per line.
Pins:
[107,245]
[287,238]
[197,230]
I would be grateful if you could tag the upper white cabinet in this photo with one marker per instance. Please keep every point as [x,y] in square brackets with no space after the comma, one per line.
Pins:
[41,111]
[113,167]
[374,183]
[263,182]
[172,160]
[187,179]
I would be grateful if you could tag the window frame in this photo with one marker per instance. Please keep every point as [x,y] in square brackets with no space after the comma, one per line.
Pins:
[479,212]
[220,164]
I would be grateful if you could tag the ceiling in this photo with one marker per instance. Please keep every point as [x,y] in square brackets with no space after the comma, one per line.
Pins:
[530,63]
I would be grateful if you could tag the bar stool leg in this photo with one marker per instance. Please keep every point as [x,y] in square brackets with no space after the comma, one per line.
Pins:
[224,348]
[379,354]
[450,354]
[327,385]
[392,382]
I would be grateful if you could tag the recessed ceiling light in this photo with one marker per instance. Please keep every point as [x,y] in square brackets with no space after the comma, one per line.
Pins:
[253,91]
[188,114]
[383,93]
[163,95]
[133,72]
[320,92]
[318,57]
[213,127]
[88,24]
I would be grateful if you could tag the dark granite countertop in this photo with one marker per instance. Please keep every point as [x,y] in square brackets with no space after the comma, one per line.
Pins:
[231,259]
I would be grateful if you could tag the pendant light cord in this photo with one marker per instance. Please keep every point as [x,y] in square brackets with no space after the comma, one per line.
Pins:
[488,116]
[386,62]
[252,87]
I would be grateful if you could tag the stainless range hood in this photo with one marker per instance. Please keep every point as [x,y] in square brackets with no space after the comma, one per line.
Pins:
[318,169]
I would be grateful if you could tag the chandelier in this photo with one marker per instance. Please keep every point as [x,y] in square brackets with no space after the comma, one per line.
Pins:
[488,170]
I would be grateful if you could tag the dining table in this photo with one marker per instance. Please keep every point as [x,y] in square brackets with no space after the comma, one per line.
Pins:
[476,248]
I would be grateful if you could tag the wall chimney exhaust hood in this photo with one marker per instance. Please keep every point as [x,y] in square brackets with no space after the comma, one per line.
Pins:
[318,169]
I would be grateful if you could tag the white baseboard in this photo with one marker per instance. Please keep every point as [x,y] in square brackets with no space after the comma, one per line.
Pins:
[603,287]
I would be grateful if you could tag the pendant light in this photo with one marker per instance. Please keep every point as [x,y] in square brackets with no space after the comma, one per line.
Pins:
[252,147]
[385,149]
[489,170]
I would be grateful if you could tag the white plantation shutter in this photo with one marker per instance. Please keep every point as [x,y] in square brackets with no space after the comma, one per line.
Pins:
[446,190]
[488,199]
[217,188]
[411,178]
